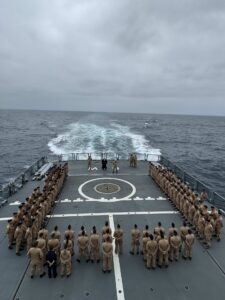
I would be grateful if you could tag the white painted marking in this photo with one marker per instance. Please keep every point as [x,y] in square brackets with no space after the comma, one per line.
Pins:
[106,178]
[114,214]
[65,201]
[116,264]
[161,198]
[107,200]
[78,200]
[150,198]
[100,174]
[5,219]
[15,203]
[168,212]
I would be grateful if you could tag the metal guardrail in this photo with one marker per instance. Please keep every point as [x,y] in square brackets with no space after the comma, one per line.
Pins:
[13,186]
[152,155]
[214,198]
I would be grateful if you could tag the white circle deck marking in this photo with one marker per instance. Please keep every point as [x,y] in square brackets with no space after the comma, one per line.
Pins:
[80,189]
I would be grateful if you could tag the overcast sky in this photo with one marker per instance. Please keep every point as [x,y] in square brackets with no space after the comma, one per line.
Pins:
[113,55]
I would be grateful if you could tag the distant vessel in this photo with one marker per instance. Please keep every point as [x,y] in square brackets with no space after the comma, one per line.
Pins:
[90,198]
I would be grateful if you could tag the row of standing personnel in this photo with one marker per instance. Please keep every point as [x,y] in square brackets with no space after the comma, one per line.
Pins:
[157,247]
[115,166]
[190,204]
[154,248]
[24,226]
[51,252]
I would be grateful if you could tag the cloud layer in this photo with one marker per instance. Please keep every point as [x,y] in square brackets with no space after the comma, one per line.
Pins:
[107,55]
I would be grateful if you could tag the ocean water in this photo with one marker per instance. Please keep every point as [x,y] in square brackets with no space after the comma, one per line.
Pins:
[195,143]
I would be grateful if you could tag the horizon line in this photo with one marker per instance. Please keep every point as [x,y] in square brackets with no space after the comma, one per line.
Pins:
[112,112]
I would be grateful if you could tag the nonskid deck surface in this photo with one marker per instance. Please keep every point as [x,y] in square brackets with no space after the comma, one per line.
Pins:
[141,202]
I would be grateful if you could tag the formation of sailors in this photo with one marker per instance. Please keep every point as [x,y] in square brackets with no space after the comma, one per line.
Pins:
[190,204]
[24,226]
[156,247]
[27,228]
[159,249]
[50,251]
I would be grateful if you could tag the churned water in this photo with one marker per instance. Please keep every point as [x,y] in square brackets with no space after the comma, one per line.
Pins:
[195,143]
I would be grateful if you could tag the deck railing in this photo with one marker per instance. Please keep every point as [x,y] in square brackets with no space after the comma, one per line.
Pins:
[6,190]
[195,184]
[152,155]
[13,186]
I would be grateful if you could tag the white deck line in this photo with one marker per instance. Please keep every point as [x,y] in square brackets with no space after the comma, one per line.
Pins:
[5,219]
[125,213]
[169,212]
[110,174]
[116,264]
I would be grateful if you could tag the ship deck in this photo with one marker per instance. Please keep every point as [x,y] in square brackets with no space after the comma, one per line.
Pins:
[85,200]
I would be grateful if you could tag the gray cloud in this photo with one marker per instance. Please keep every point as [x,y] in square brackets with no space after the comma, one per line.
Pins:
[139,56]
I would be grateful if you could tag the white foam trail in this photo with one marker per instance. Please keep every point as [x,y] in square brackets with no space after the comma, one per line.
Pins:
[92,138]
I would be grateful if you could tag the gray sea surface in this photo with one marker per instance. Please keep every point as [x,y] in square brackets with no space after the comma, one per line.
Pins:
[195,143]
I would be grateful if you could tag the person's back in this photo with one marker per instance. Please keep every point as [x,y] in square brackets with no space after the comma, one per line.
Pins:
[94,246]
[83,243]
[36,260]
[51,259]
[152,248]
[65,260]
[163,250]
[69,232]
[35,254]
[135,240]
[188,245]
[107,249]
[175,243]
[118,235]
[163,245]
[218,225]
[94,240]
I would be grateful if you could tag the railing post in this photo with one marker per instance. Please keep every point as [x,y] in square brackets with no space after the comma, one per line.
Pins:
[196,185]
[212,197]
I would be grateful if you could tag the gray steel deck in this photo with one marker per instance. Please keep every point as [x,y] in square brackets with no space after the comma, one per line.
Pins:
[203,277]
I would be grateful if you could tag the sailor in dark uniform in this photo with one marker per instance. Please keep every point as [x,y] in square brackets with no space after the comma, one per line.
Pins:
[104,164]
[51,259]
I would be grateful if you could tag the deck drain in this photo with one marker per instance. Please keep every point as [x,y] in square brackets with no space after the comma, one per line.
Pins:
[62,295]
[187,287]
[151,289]
[120,291]
[87,294]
